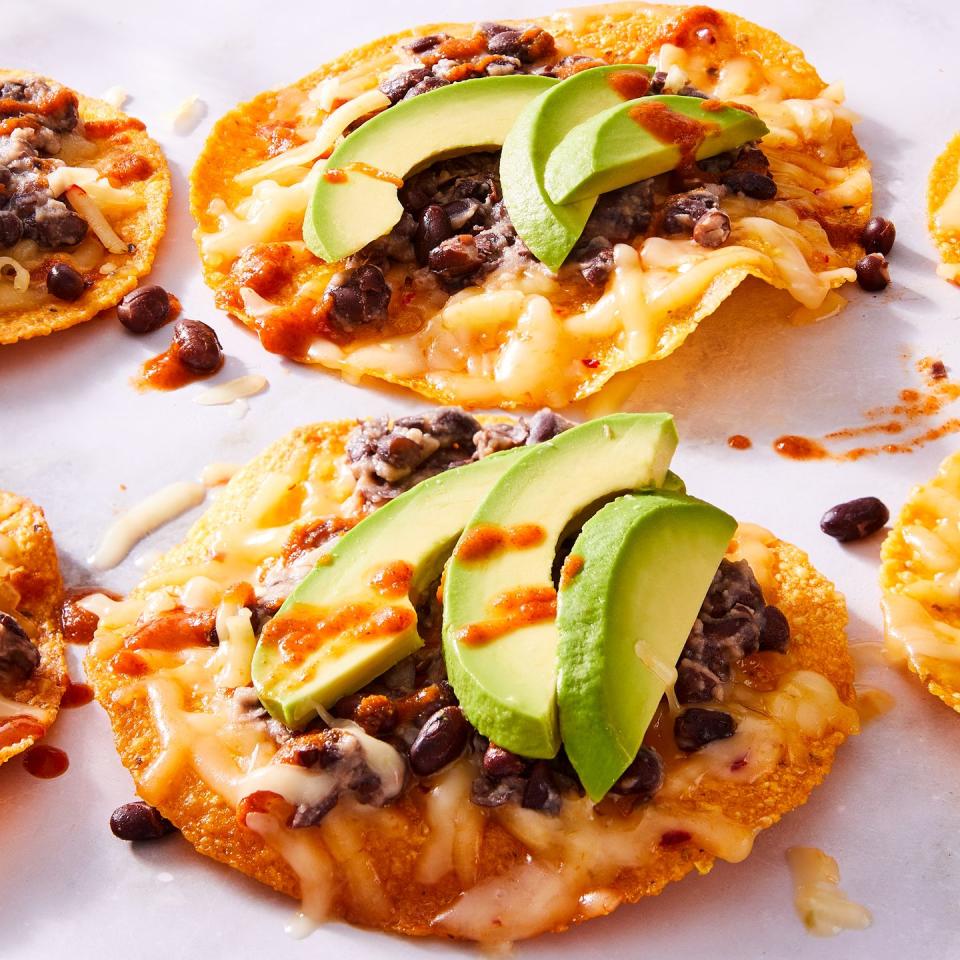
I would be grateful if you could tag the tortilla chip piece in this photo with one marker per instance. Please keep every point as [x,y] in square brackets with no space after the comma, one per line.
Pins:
[943,209]
[120,150]
[919,574]
[31,591]
[542,339]
[403,867]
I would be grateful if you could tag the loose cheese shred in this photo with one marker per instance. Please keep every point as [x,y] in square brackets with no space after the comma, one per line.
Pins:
[232,390]
[81,201]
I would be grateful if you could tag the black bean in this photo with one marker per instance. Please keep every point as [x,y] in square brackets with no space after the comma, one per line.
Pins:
[775,635]
[460,213]
[139,821]
[144,309]
[526,45]
[425,86]
[878,235]
[455,258]
[855,519]
[872,272]
[197,346]
[359,296]
[657,81]
[712,229]
[399,451]
[58,226]
[440,741]
[545,425]
[682,212]
[752,184]
[451,425]
[643,778]
[541,792]
[596,261]
[432,229]
[498,762]
[489,29]
[11,227]
[697,727]
[493,792]
[423,44]
[65,283]
[396,87]
[310,816]
[19,656]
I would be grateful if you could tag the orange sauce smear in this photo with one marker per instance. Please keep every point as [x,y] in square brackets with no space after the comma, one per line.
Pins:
[739,442]
[522,608]
[393,580]
[485,539]
[571,567]
[76,695]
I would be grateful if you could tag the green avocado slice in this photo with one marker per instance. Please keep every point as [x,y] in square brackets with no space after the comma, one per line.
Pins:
[640,139]
[355,200]
[499,630]
[548,229]
[628,598]
[353,616]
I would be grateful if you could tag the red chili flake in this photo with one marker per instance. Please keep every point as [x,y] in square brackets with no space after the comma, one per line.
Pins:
[673,838]
[590,362]
[937,370]
[409,297]
[738,764]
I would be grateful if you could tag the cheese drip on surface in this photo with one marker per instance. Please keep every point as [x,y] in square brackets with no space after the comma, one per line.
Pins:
[579,853]
[820,903]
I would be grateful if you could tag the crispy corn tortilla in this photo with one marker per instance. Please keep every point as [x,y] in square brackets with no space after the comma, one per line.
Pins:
[30,589]
[945,181]
[141,222]
[380,853]
[511,352]
[918,574]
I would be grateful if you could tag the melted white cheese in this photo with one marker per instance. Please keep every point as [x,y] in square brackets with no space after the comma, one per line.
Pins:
[820,903]
[247,386]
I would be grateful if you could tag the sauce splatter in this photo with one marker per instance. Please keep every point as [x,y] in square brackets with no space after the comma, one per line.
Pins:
[76,695]
[485,539]
[393,580]
[78,624]
[167,371]
[46,762]
[571,567]
[336,175]
[668,126]
[129,664]
[903,417]
[629,84]
[739,442]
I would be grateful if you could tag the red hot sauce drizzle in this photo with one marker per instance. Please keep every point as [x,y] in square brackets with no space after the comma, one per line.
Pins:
[629,84]
[46,762]
[668,126]
[76,695]
[485,539]
[521,608]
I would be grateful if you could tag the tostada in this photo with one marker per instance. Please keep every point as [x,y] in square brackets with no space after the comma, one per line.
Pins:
[921,560]
[511,213]
[943,209]
[33,670]
[474,678]
[83,205]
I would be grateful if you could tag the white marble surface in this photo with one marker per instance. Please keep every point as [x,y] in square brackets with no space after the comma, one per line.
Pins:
[76,437]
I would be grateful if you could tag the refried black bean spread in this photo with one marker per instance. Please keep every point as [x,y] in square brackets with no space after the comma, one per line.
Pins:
[412,705]
[34,115]
[456,230]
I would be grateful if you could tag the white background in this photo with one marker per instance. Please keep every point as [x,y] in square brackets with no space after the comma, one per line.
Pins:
[76,437]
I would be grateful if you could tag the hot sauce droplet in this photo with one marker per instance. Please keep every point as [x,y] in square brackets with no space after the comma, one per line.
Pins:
[739,442]
[46,762]
[76,695]
[799,448]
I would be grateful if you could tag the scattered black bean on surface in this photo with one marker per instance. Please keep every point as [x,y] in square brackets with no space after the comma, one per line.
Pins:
[65,283]
[139,821]
[440,741]
[873,274]
[854,519]
[697,727]
[198,346]
[144,309]
[878,235]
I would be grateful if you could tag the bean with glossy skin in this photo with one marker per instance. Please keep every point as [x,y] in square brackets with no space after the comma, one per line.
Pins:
[873,274]
[65,283]
[855,519]
[139,821]
[751,184]
[11,228]
[878,235]
[697,727]
[144,309]
[19,656]
[643,778]
[775,635]
[434,227]
[498,762]
[440,741]
[197,346]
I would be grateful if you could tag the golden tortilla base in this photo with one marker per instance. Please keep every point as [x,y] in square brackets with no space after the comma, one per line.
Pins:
[943,178]
[37,579]
[142,226]
[817,614]
[624,33]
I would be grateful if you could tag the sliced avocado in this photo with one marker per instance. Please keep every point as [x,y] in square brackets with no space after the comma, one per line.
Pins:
[353,616]
[642,566]
[550,230]
[643,138]
[499,632]
[355,200]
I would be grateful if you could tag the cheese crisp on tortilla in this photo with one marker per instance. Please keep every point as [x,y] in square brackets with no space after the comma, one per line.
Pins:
[463,840]
[921,567]
[33,671]
[453,301]
[943,209]
[83,204]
